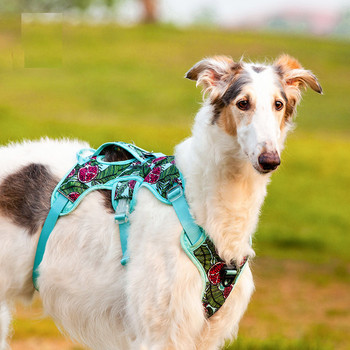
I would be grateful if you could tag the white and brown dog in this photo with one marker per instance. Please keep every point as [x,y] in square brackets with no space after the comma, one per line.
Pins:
[154,302]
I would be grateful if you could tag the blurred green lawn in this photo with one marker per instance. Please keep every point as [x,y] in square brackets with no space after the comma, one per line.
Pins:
[103,83]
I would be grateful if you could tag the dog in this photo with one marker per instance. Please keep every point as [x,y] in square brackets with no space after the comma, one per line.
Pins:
[153,303]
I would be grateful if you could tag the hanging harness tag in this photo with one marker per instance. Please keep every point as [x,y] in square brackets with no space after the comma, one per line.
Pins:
[122,218]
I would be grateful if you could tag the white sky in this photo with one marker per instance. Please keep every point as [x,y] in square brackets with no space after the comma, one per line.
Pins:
[234,11]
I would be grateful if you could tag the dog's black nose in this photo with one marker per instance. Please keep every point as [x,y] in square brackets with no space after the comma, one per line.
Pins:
[269,161]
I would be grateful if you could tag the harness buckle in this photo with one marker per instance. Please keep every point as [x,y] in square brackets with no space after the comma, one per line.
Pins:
[228,275]
[122,212]
[175,193]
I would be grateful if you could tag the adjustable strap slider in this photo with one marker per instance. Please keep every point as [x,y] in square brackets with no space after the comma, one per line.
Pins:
[122,217]
[175,193]
[122,212]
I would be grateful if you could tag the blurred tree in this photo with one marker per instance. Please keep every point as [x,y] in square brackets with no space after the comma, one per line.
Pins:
[49,5]
[19,6]
[150,11]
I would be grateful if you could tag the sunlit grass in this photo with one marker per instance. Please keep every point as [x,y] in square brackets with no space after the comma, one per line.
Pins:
[306,213]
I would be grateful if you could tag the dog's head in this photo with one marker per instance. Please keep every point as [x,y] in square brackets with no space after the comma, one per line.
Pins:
[254,102]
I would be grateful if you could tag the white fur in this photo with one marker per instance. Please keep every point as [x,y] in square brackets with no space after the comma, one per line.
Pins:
[5,319]
[263,132]
[153,303]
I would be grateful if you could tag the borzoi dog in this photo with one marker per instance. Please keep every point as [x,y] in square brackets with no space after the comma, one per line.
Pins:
[154,302]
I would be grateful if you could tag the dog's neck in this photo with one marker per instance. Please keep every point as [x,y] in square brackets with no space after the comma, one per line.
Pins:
[223,189]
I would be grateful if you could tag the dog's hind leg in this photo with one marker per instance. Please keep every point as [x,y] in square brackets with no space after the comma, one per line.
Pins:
[5,319]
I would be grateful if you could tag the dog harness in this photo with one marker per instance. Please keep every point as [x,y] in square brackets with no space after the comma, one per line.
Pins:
[159,174]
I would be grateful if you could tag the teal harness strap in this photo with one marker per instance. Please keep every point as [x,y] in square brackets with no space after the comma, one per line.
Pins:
[49,225]
[177,198]
[122,218]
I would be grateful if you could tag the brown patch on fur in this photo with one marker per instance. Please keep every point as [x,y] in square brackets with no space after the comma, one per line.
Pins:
[214,75]
[236,67]
[113,153]
[292,74]
[287,62]
[227,122]
[293,77]
[234,83]
[25,196]
[218,105]
[210,70]
[107,200]
[258,69]
[235,88]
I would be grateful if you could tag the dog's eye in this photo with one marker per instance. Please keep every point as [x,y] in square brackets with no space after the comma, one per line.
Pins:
[243,105]
[278,105]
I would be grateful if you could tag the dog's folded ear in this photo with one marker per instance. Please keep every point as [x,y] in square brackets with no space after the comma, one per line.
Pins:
[294,75]
[210,73]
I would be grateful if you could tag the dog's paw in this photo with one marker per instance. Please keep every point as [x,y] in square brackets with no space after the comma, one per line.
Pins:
[237,253]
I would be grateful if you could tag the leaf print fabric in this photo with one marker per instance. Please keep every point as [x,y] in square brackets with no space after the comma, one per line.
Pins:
[215,292]
[154,175]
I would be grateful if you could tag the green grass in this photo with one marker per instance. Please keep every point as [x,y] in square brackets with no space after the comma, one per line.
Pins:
[111,83]
[307,210]
[280,344]
[127,84]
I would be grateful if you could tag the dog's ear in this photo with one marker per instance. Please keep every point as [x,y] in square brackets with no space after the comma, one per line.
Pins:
[212,73]
[294,75]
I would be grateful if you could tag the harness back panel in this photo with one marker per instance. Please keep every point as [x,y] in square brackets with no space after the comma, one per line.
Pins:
[154,171]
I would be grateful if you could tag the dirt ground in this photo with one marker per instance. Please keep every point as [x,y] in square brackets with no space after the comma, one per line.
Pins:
[293,300]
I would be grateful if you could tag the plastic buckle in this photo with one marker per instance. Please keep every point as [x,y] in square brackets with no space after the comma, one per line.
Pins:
[175,193]
[122,212]
[228,275]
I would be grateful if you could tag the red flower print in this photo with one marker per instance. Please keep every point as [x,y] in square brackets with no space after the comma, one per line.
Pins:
[156,160]
[227,291]
[88,173]
[73,196]
[205,307]
[132,184]
[71,173]
[153,176]
[214,273]
[243,261]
